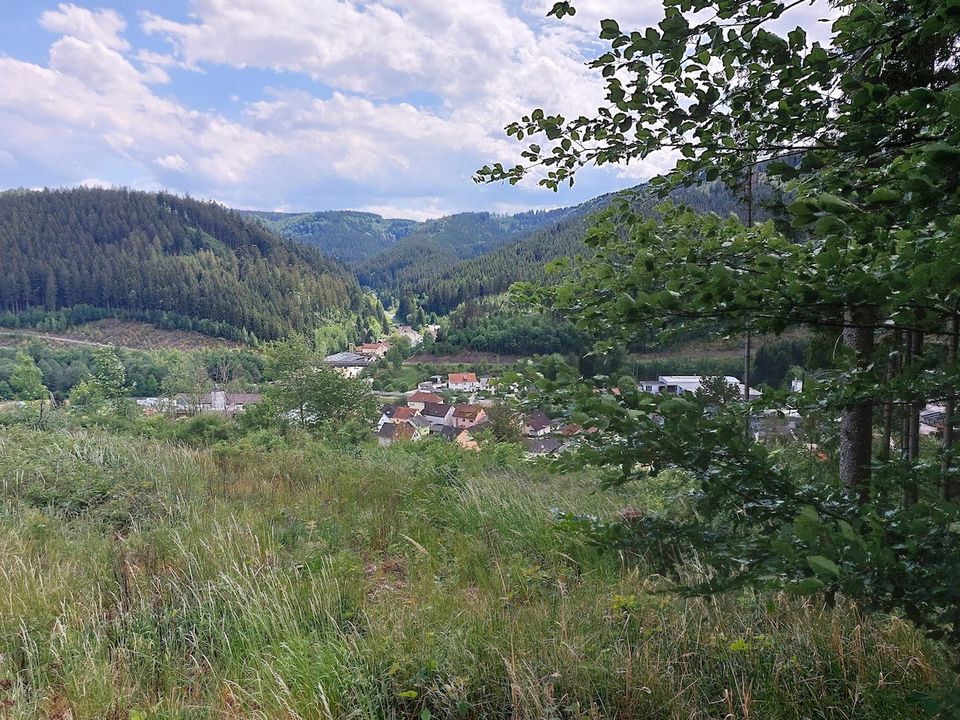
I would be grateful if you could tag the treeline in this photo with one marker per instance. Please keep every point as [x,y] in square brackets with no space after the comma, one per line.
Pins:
[189,264]
[770,365]
[346,235]
[146,371]
[484,327]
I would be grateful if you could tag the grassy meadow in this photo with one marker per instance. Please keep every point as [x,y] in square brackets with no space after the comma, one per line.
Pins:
[143,579]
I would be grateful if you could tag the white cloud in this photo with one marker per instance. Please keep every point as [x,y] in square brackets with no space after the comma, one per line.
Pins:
[103,27]
[95,183]
[99,104]
[172,162]
[419,209]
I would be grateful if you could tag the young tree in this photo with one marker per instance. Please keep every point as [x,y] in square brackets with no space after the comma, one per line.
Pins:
[506,423]
[26,380]
[864,137]
[188,376]
[109,376]
[313,393]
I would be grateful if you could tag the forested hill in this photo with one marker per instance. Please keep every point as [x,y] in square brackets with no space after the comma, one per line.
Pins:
[347,235]
[441,277]
[355,237]
[158,256]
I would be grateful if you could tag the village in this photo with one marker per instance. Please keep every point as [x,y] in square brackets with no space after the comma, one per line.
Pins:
[456,406]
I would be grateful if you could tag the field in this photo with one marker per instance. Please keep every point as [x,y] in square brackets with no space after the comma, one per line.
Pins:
[147,580]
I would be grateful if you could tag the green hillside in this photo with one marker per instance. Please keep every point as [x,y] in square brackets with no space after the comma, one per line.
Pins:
[347,235]
[445,275]
[185,263]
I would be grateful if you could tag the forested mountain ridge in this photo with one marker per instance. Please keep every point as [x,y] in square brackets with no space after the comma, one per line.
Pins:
[155,253]
[357,237]
[442,277]
[347,235]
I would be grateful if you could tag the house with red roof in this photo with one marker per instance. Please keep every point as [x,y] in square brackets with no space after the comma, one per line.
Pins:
[420,398]
[466,416]
[465,382]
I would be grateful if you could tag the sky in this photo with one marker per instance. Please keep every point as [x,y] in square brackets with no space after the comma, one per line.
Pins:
[296,105]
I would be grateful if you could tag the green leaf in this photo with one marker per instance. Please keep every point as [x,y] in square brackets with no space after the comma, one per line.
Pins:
[807,586]
[823,567]
[884,195]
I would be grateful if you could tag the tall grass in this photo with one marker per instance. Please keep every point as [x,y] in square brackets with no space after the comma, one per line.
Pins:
[145,580]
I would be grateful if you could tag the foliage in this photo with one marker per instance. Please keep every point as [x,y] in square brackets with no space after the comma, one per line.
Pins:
[158,580]
[863,135]
[487,326]
[163,258]
[26,380]
[311,393]
[506,423]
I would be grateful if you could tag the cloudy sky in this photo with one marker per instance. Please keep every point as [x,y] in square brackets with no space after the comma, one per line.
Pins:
[385,105]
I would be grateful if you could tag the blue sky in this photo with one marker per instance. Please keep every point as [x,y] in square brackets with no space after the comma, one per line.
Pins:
[382,105]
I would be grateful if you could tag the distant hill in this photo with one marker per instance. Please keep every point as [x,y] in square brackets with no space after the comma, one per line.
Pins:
[185,263]
[468,260]
[355,237]
[347,235]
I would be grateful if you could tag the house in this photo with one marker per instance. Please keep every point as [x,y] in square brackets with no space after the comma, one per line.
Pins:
[540,447]
[460,436]
[390,433]
[410,334]
[420,398]
[349,364]
[684,384]
[402,414]
[464,382]
[438,413]
[218,401]
[466,416]
[421,426]
[396,414]
[537,424]
[374,350]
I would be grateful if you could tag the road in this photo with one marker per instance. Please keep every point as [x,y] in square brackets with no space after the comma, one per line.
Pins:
[55,338]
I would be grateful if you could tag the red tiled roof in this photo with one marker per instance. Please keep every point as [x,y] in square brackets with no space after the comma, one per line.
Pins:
[469,412]
[424,397]
[404,413]
[462,377]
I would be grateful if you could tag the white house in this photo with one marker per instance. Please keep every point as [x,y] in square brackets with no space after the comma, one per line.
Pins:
[438,413]
[537,424]
[683,384]
[420,398]
[464,382]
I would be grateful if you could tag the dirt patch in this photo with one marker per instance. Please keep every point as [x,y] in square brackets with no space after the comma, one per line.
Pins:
[465,358]
[121,333]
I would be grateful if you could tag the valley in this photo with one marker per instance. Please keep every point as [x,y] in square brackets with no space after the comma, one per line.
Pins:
[676,440]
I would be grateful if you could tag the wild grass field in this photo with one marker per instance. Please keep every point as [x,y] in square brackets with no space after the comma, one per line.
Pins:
[141,579]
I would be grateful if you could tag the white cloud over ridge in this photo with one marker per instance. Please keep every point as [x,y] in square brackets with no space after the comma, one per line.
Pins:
[404,99]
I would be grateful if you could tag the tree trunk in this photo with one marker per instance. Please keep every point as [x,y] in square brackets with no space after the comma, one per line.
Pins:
[892,368]
[746,382]
[856,420]
[947,482]
[911,492]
